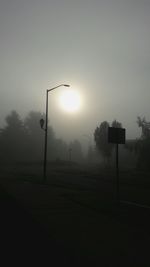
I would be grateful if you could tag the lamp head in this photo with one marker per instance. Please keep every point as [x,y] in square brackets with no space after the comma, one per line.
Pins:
[66,85]
[42,123]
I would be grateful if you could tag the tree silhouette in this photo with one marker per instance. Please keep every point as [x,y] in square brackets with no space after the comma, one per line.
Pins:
[145,127]
[101,139]
[23,140]
[13,138]
[116,124]
[142,146]
[36,136]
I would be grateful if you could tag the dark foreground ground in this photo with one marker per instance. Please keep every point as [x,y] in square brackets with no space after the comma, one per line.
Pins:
[72,220]
[24,241]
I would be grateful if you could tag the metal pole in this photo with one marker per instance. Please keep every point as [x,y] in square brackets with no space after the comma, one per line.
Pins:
[46,130]
[45,142]
[117,174]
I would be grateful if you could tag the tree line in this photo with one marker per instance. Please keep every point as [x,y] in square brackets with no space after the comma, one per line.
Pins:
[23,140]
[140,147]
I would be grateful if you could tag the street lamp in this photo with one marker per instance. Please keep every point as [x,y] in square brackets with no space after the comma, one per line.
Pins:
[46,129]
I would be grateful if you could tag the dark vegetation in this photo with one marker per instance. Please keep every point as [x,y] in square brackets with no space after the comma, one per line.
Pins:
[22,140]
[76,208]
[139,148]
[101,139]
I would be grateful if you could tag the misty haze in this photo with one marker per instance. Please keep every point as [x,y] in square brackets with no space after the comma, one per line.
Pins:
[75,132]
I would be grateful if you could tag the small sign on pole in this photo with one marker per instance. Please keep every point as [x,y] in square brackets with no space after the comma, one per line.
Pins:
[117,136]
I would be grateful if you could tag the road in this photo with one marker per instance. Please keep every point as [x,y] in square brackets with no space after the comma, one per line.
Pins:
[73,220]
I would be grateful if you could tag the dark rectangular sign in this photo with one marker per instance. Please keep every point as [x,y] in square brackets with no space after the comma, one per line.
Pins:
[116,135]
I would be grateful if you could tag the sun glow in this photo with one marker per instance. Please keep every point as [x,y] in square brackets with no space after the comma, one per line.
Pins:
[70,100]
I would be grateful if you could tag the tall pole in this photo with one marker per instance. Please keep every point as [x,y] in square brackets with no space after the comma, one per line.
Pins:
[46,131]
[45,141]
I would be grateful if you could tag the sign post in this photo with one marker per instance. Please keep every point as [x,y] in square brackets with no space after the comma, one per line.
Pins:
[116,136]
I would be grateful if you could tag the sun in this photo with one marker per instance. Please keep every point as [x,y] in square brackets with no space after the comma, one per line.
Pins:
[70,100]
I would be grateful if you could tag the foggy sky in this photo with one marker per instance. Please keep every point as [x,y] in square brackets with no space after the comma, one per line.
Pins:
[99,47]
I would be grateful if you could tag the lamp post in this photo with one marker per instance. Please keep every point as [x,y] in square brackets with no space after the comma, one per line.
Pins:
[46,129]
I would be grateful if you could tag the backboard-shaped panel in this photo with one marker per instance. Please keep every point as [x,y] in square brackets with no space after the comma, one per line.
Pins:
[116,135]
